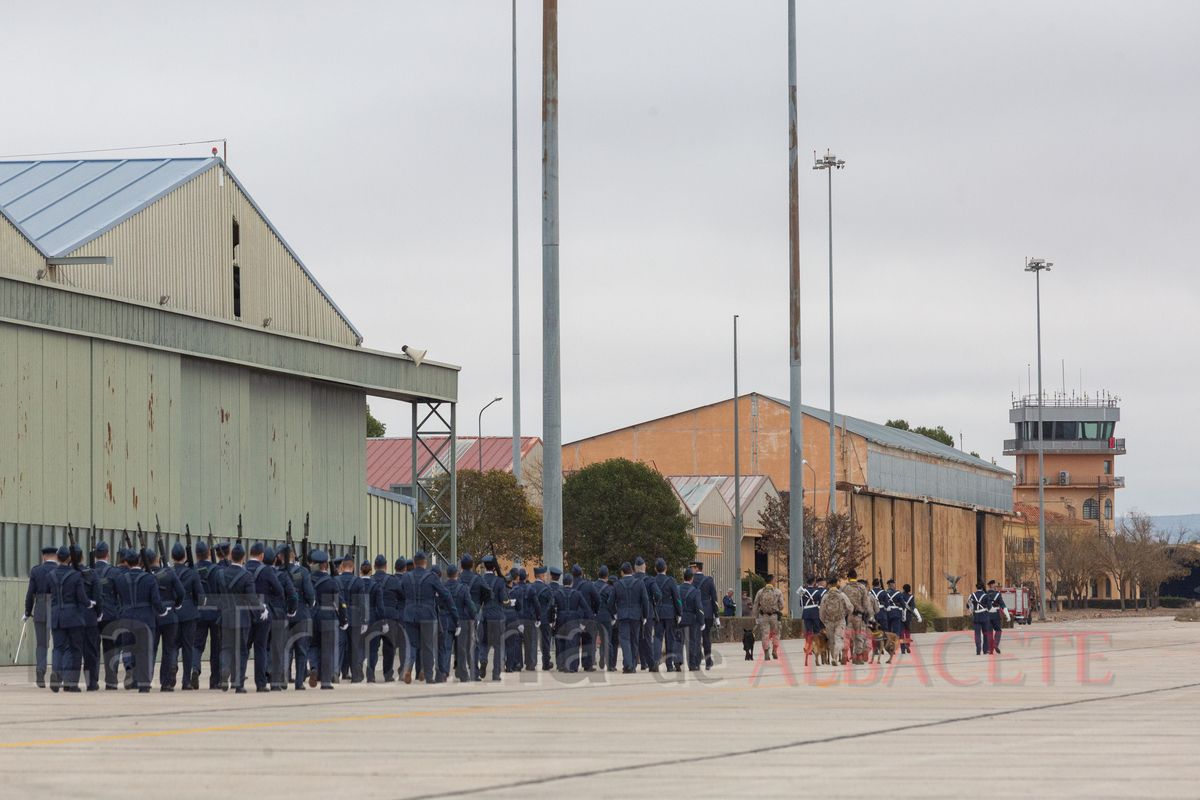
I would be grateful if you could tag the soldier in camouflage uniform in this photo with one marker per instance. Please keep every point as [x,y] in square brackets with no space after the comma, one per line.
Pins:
[835,609]
[768,612]
[865,608]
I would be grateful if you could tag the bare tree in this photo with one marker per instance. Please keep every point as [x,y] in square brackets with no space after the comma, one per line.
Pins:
[1163,555]
[832,545]
[1071,561]
[1122,555]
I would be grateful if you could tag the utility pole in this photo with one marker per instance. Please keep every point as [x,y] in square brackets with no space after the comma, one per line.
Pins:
[552,544]
[737,476]
[830,162]
[795,411]
[1036,266]
[516,273]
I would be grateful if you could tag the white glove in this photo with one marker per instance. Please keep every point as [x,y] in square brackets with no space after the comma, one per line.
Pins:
[520,629]
[23,618]
[1007,615]
[701,626]
[91,603]
[291,615]
[918,613]
[99,618]
[362,630]
[537,623]
[164,613]
[458,630]
[718,622]
[263,616]
[513,602]
[345,626]
[385,627]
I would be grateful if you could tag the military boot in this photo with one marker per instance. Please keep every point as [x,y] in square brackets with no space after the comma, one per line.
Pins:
[41,678]
[55,682]
[195,680]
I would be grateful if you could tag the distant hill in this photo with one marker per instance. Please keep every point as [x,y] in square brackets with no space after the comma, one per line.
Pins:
[1173,522]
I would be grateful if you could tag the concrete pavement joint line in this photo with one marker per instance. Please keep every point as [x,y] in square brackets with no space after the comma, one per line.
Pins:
[282,723]
[800,743]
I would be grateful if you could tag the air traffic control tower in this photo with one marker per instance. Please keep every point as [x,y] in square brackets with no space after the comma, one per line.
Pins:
[1079,441]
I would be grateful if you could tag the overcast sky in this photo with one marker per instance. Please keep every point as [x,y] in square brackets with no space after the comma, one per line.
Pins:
[377,137]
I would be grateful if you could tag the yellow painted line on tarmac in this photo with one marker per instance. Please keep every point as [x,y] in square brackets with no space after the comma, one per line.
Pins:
[283,723]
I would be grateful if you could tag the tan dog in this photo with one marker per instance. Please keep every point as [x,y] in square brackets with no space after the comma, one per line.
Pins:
[818,647]
[885,640]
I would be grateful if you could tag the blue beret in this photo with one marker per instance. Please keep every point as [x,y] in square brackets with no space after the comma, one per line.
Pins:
[466,561]
[223,545]
[451,570]
[178,551]
[101,547]
[576,570]
[626,566]
[201,547]
[489,559]
[539,570]
[381,561]
[400,562]
[567,579]
[63,552]
[660,564]
[602,572]
[49,550]
[555,572]
[639,562]
[521,573]
[318,556]
[258,548]
[269,555]
[150,554]
[238,550]
[419,555]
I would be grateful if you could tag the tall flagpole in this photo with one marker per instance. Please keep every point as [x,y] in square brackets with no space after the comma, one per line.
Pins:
[516,273]
[796,412]
[552,543]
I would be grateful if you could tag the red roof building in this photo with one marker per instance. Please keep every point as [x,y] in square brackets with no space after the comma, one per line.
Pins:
[389,460]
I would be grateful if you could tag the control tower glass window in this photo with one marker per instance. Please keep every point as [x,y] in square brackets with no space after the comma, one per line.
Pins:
[1065,430]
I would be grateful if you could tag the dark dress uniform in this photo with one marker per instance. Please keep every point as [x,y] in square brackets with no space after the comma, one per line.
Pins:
[299,626]
[605,644]
[977,602]
[166,632]
[328,618]
[630,605]
[141,606]
[354,593]
[91,628]
[470,637]
[393,638]
[269,592]
[512,627]
[67,603]
[589,598]
[646,634]
[691,620]
[235,588]
[895,614]
[666,611]
[36,606]
[810,610]
[995,604]
[566,636]
[282,614]
[493,621]
[544,601]
[464,648]
[208,625]
[195,595]
[422,593]
[108,618]
[378,616]
[708,606]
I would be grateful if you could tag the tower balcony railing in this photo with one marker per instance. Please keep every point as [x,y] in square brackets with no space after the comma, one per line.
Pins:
[1014,447]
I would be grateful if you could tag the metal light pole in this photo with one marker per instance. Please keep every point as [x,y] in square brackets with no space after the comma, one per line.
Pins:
[485,408]
[1036,266]
[737,477]
[516,274]
[552,543]
[795,410]
[830,162]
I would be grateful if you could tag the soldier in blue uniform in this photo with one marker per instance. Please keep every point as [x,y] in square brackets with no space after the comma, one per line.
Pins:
[646,634]
[691,623]
[630,605]
[810,608]
[445,629]
[378,617]
[166,632]
[464,648]
[978,605]
[666,612]
[235,587]
[36,606]
[558,615]
[421,593]
[283,611]
[354,592]
[544,600]
[68,602]
[513,627]
[328,618]
[908,605]
[881,616]
[299,628]
[269,595]
[208,625]
[708,605]
[567,637]
[588,607]
[194,596]
[895,612]
[392,631]
[108,612]
[996,607]
[141,607]
[530,616]
[605,645]
[470,637]
[493,622]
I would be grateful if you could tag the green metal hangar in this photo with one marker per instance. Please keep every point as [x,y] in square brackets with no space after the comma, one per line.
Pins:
[166,356]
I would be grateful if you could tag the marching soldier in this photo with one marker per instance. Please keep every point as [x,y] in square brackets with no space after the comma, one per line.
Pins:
[141,607]
[908,605]
[708,604]
[691,621]
[881,615]
[810,608]
[208,624]
[422,593]
[299,628]
[328,617]
[354,594]
[460,595]
[378,619]
[835,610]
[269,594]
[666,611]
[68,600]
[445,631]
[605,645]
[108,612]
[91,629]
[895,613]
[530,617]
[566,641]
[236,589]
[630,605]
[471,635]
[493,621]
[589,607]
[393,631]
[283,611]
[194,596]
[36,606]
[995,608]
[646,634]
[166,632]
[979,605]
[865,608]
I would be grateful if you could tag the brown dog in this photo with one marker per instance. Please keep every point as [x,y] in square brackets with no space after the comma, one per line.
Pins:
[818,647]
[883,641]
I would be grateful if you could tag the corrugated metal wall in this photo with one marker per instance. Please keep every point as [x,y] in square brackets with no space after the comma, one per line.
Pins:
[182,246]
[907,473]
[17,255]
[391,527]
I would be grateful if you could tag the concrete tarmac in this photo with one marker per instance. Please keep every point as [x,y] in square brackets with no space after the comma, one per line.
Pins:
[943,725]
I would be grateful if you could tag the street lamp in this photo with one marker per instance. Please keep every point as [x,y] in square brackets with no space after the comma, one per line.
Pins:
[814,474]
[1037,266]
[485,408]
[830,162]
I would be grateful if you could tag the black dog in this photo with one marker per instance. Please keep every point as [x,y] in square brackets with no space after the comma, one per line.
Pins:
[748,643]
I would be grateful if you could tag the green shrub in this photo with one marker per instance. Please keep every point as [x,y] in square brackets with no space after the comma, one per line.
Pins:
[928,609]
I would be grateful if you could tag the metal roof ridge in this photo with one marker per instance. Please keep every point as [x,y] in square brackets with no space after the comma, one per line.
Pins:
[84,185]
[24,233]
[51,179]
